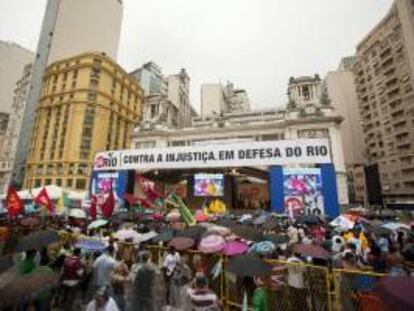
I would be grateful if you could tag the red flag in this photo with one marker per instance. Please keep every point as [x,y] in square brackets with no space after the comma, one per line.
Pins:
[108,206]
[13,202]
[92,209]
[44,200]
[129,198]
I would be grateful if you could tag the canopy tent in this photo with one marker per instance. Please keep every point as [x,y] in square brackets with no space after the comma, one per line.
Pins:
[54,192]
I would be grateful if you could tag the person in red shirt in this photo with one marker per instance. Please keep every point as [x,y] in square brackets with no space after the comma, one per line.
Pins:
[72,273]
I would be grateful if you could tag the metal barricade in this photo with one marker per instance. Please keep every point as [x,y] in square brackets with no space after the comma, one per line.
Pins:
[355,290]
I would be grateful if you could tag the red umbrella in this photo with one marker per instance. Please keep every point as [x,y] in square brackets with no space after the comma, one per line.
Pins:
[201,217]
[181,243]
[311,250]
[396,292]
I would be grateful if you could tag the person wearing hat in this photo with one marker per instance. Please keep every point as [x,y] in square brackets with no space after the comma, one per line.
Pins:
[102,301]
[201,297]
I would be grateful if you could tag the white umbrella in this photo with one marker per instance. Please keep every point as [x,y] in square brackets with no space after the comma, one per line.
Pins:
[77,213]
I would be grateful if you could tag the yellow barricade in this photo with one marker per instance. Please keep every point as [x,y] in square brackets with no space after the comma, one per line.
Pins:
[291,286]
[355,290]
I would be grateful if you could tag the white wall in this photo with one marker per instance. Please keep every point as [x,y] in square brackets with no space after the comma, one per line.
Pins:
[13,58]
[85,26]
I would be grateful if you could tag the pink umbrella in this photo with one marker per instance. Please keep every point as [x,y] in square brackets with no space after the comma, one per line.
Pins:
[212,243]
[234,248]
[201,217]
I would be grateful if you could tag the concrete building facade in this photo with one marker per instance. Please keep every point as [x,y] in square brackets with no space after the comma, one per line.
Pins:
[67,30]
[13,58]
[88,104]
[317,121]
[13,127]
[217,98]
[384,79]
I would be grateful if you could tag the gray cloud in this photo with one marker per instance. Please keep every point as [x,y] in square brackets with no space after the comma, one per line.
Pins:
[258,44]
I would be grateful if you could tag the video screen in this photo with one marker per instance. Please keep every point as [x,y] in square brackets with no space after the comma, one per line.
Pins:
[303,191]
[208,185]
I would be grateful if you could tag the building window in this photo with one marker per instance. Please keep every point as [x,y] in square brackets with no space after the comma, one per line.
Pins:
[69,182]
[48,181]
[82,169]
[37,183]
[80,184]
[60,169]
[59,182]
[39,170]
[71,169]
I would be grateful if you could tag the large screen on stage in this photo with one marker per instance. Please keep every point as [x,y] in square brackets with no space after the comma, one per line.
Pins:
[303,191]
[208,185]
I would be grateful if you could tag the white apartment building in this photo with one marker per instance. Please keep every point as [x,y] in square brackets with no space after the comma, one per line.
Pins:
[217,98]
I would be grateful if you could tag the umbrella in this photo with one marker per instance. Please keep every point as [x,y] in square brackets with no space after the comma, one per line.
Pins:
[396,292]
[234,248]
[408,253]
[97,223]
[29,222]
[226,222]
[261,219]
[308,219]
[145,237]
[193,232]
[247,265]
[37,240]
[120,217]
[246,219]
[393,226]
[246,232]
[27,286]
[270,224]
[181,243]
[91,245]
[126,234]
[219,230]
[164,236]
[5,263]
[262,248]
[77,213]
[201,217]
[174,215]
[311,250]
[212,243]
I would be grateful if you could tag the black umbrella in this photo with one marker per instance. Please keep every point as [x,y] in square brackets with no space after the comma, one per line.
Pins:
[5,263]
[247,265]
[276,238]
[37,240]
[396,292]
[308,219]
[164,236]
[193,232]
[247,232]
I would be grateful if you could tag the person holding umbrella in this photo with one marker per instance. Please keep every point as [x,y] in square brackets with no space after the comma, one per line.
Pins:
[201,297]
[71,277]
[260,296]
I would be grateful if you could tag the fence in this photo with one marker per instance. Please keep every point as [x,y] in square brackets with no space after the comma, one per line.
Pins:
[291,286]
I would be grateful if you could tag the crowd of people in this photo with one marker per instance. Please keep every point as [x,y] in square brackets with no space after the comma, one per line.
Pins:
[125,276]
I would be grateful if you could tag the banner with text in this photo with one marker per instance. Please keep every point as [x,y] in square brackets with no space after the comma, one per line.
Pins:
[280,152]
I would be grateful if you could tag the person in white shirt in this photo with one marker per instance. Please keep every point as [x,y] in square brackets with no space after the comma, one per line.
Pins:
[103,267]
[170,261]
[102,302]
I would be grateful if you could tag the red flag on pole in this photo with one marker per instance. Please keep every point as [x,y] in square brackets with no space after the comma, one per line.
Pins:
[13,203]
[92,209]
[44,200]
[108,206]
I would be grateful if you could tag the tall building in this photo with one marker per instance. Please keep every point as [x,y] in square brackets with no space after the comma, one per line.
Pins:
[151,79]
[13,127]
[88,104]
[217,99]
[67,30]
[167,101]
[13,58]
[340,88]
[384,79]
[179,95]
[341,91]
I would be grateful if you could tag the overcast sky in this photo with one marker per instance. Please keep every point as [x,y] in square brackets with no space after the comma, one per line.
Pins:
[257,44]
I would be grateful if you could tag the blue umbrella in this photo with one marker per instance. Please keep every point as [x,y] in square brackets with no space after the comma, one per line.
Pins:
[91,245]
[262,248]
